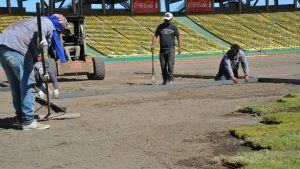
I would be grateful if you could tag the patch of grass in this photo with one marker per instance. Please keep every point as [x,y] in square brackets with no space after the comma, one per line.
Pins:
[290,102]
[285,117]
[277,137]
[262,159]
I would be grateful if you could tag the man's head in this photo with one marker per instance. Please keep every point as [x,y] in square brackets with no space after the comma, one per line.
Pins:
[59,22]
[168,17]
[234,50]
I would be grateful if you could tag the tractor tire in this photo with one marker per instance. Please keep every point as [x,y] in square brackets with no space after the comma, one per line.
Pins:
[99,69]
[52,65]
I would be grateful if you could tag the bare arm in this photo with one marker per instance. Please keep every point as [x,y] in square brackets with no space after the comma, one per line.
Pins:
[179,44]
[154,39]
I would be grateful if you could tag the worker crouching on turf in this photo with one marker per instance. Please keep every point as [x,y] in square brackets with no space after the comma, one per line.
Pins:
[230,64]
[39,79]
[167,33]
[18,47]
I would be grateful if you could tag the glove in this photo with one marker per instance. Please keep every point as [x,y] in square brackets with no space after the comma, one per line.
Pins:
[45,77]
[43,44]
[235,80]
[41,94]
[55,93]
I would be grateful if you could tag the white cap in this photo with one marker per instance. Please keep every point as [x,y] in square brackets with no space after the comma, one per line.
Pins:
[168,16]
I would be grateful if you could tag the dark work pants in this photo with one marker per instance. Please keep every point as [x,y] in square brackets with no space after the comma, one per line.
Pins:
[167,60]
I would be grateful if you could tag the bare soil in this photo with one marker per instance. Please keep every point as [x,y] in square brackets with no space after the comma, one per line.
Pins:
[163,129]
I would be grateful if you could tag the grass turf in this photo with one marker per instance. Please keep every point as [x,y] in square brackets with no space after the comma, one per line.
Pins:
[277,138]
[290,102]
[265,159]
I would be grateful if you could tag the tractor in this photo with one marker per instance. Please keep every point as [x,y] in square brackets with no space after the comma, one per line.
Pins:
[93,67]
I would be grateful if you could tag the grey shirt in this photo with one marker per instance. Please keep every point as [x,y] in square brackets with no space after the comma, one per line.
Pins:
[233,64]
[22,35]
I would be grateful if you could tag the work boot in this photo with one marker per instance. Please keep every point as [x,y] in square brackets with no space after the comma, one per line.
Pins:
[35,125]
[17,122]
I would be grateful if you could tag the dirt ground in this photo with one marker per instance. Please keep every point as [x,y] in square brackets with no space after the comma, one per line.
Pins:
[162,129]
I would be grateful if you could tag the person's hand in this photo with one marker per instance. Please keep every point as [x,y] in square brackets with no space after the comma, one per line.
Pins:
[235,80]
[43,44]
[44,77]
[246,79]
[152,48]
[179,51]
[41,94]
[55,93]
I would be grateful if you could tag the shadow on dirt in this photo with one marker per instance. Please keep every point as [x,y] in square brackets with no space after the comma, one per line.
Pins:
[8,123]
[62,79]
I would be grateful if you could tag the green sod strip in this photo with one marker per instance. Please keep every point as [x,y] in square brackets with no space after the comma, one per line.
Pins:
[281,118]
[262,159]
[283,136]
[286,103]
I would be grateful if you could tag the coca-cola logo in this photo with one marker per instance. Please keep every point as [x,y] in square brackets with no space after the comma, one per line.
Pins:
[199,4]
[145,4]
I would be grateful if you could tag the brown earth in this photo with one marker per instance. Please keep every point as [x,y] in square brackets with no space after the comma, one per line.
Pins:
[163,129]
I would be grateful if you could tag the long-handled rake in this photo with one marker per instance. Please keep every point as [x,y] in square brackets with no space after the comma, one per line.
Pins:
[60,112]
[153,80]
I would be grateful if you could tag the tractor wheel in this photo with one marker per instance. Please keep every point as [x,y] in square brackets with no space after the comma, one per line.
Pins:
[52,65]
[99,69]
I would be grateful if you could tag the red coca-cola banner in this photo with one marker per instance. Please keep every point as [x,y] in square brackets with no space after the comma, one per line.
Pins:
[199,5]
[145,6]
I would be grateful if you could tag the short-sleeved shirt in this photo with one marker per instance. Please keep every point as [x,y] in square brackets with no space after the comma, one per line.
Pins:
[167,35]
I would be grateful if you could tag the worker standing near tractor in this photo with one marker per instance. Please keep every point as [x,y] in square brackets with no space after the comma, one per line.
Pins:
[229,65]
[167,33]
[19,45]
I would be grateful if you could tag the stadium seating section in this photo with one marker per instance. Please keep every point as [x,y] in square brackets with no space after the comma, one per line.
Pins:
[124,35]
[116,36]
[254,31]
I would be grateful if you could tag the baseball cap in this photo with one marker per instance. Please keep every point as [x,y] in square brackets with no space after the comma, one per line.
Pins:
[168,16]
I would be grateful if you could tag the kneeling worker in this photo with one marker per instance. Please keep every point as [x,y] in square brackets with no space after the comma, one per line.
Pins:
[230,64]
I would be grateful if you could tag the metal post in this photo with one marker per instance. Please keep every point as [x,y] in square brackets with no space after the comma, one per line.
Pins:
[185,5]
[8,6]
[240,6]
[74,6]
[50,7]
[167,5]
[213,6]
[159,6]
[248,5]
[131,7]
[267,5]
[104,7]
[20,3]
[276,3]
[42,7]
[295,4]
[80,7]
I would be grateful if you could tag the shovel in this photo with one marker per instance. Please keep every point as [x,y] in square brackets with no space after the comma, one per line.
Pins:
[153,80]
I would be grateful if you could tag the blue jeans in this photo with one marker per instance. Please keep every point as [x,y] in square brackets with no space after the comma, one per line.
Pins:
[20,75]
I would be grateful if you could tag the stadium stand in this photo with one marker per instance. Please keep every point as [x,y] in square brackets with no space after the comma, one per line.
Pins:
[116,36]
[132,35]
[6,20]
[232,31]
[287,20]
[269,29]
